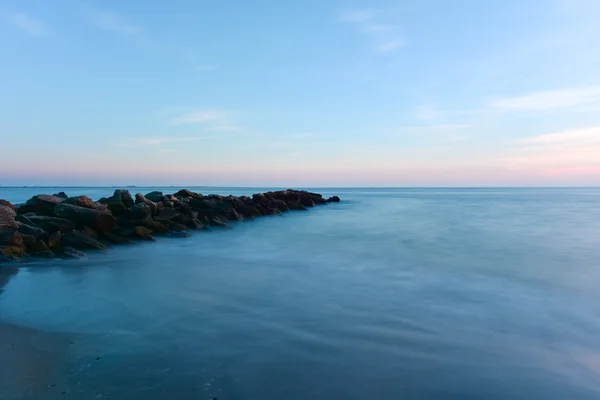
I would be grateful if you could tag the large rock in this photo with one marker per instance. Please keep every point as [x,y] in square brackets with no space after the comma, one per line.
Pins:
[7,219]
[40,249]
[140,199]
[156,226]
[333,199]
[167,214]
[188,193]
[41,204]
[155,196]
[80,240]
[125,197]
[48,224]
[12,252]
[100,221]
[137,212]
[32,230]
[115,239]
[61,195]
[84,201]
[7,204]
[11,238]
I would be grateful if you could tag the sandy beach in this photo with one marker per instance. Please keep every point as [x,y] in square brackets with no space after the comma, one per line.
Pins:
[29,361]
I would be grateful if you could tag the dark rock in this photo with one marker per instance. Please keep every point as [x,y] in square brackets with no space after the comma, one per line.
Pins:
[54,239]
[155,196]
[62,195]
[48,224]
[29,242]
[41,204]
[116,239]
[167,214]
[32,230]
[138,232]
[7,219]
[115,203]
[12,252]
[90,232]
[140,199]
[80,240]
[84,201]
[156,226]
[125,197]
[261,198]
[333,199]
[11,238]
[278,205]
[188,193]
[138,211]
[296,206]
[182,207]
[235,216]
[175,227]
[7,204]
[41,250]
[100,221]
[219,222]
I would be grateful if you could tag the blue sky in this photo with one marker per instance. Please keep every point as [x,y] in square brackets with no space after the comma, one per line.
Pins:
[318,93]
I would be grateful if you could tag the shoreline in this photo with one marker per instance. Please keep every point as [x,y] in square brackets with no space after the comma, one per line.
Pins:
[49,226]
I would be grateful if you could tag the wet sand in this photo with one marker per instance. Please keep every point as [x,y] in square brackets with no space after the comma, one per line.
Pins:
[29,361]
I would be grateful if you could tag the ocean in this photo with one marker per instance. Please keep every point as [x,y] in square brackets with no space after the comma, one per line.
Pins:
[390,294]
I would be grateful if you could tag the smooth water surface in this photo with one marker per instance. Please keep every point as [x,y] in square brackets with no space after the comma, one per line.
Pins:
[391,294]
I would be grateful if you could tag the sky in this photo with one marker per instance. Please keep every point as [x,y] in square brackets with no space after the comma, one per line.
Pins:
[303,93]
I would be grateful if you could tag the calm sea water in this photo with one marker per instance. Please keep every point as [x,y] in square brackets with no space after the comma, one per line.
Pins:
[391,294]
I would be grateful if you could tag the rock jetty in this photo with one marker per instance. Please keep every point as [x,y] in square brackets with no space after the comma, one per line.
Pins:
[57,225]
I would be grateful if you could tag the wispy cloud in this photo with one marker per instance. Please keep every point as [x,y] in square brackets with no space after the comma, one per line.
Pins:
[31,26]
[200,117]
[549,99]
[207,67]
[153,141]
[566,153]
[386,37]
[114,23]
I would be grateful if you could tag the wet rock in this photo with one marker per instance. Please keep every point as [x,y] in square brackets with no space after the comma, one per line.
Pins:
[48,224]
[175,227]
[155,196]
[11,238]
[29,242]
[32,230]
[84,201]
[139,211]
[7,204]
[138,232]
[140,199]
[116,239]
[41,204]
[12,252]
[100,221]
[54,239]
[167,214]
[219,222]
[188,193]
[40,249]
[296,206]
[125,197]
[62,195]
[80,240]
[278,205]
[7,219]
[333,199]
[156,226]
[235,216]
